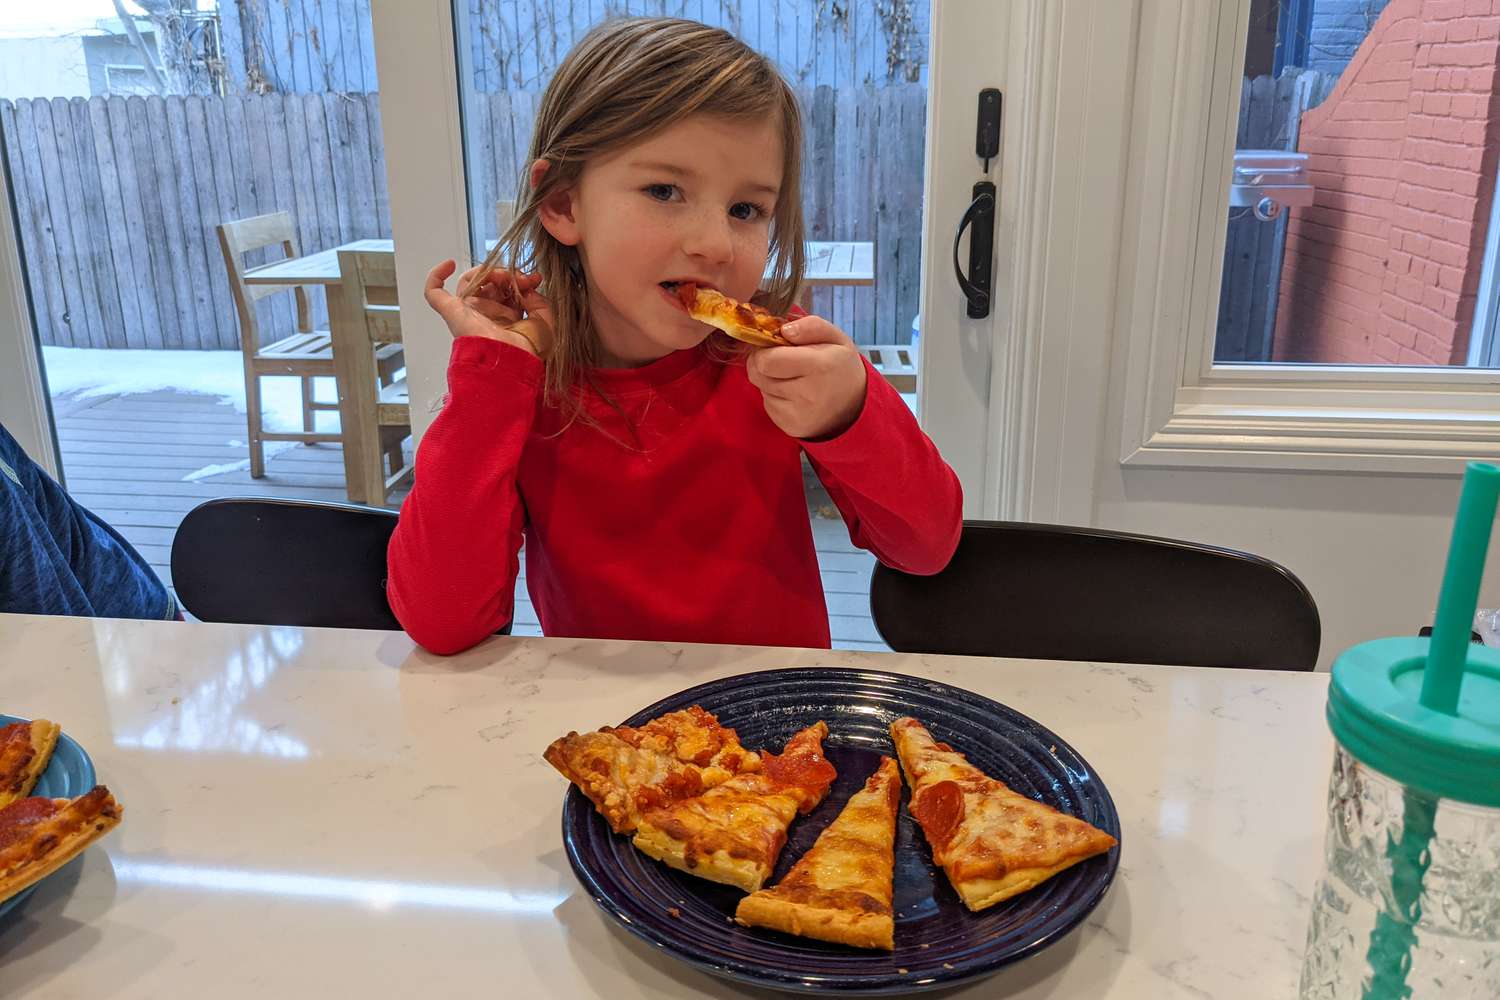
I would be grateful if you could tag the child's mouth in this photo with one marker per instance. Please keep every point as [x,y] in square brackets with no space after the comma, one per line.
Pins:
[675,292]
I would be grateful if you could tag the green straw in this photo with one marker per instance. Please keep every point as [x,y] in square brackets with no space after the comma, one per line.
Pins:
[1389,956]
[1459,597]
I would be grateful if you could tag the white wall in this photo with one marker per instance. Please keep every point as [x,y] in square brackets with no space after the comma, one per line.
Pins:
[1370,548]
[43,67]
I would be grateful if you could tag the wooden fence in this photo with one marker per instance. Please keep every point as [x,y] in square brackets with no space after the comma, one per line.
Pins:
[304,46]
[118,198]
[1270,117]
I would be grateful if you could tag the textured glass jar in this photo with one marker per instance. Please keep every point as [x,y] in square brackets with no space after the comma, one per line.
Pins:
[1454,940]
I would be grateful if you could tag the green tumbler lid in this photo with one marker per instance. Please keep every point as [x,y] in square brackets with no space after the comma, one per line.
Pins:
[1375,712]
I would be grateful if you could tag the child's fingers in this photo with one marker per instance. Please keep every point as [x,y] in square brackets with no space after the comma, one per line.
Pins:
[494,311]
[440,274]
[536,304]
[814,330]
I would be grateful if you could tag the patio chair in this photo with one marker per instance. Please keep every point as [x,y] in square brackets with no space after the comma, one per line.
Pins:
[375,416]
[306,354]
[260,561]
[1052,592]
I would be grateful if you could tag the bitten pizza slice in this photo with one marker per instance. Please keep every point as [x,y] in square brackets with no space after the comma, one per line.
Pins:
[626,770]
[25,749]
[743,321]
[734,832]
[992,842]
[39,835]
[841,889]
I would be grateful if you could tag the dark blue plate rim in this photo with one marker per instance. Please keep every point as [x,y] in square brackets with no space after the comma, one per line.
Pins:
[578,814]
[67,750]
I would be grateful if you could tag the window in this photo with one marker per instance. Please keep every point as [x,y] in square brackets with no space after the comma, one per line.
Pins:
[1358,339]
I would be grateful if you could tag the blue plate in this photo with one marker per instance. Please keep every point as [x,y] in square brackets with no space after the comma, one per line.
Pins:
[69,773]
[939,943]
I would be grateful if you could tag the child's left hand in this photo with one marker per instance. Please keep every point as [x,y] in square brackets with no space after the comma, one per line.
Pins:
[814,388]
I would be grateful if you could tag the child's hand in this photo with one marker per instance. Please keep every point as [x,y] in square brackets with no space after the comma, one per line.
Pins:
[511,312]
[816,387]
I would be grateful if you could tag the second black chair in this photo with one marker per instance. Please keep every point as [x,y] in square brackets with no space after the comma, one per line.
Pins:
[260,561]
[1063,593]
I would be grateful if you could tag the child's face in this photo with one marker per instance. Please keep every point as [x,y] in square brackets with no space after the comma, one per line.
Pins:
[691,203]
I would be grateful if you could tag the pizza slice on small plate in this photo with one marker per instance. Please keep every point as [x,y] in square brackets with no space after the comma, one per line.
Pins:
[39,835]
[25,749]
[992,842]
[744,321]
[734,832]
[627,770]
[841,889]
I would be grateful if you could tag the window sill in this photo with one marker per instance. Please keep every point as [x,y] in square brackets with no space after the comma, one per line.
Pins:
[1324,438]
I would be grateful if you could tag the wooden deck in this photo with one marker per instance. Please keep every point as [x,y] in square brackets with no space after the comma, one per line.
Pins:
[124,457]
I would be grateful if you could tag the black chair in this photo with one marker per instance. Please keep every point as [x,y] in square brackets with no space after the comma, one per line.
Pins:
[259,561]
[1049,592]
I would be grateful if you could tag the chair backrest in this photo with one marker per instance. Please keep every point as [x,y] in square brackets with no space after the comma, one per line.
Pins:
[1061,593]
[242,236]
[261,561]
[368,278]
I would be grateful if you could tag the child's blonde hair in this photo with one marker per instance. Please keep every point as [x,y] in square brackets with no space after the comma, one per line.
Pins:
[625,80]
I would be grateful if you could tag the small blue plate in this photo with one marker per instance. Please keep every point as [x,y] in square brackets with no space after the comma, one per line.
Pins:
[939,943]
[69,773]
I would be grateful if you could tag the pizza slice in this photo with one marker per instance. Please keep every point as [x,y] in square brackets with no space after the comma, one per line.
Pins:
[626,770]
[734,832]
[993,843]
[39,835]
[25,749]
[841,889]
[743,321]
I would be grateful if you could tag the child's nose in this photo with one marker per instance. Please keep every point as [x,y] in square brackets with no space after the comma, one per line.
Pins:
[708,236]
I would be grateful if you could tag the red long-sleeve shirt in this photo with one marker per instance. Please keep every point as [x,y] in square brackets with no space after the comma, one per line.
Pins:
[698,532]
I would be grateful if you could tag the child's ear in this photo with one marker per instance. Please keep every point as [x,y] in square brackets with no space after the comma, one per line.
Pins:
[556,210]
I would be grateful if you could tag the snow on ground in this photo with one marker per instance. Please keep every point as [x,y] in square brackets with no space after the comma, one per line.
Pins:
[83,373]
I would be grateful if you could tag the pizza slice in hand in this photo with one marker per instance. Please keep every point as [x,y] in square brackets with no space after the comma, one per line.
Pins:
[39,835]
[743,321]
[626,770]
[841,889]
[734,832]
[992,842]
[25,749]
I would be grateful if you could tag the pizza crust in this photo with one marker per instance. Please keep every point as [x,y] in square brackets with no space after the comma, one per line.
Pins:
[980,893]
[107,813]
[718,865]
[838,924]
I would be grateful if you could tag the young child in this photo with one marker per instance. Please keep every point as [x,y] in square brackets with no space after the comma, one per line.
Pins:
[653,466]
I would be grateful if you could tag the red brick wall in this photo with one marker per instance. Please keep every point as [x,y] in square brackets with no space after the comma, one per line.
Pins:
[1384,266]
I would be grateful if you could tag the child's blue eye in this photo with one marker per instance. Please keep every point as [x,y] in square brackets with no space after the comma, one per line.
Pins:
[661,192]
[746,211]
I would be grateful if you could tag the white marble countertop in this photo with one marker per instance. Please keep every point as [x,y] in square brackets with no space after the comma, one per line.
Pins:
[334,813]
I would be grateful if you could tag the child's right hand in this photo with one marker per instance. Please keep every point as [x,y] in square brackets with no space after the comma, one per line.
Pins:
[513,313]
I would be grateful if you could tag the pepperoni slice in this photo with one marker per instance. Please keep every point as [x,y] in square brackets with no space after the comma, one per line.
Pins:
[940,810]
[17,818]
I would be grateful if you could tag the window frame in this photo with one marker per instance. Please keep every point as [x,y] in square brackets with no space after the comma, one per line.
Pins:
[1181,409]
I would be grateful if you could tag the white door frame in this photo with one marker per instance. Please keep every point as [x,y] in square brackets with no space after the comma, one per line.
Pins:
[24,408]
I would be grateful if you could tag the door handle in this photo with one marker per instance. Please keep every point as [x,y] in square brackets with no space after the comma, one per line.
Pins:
[981,216]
